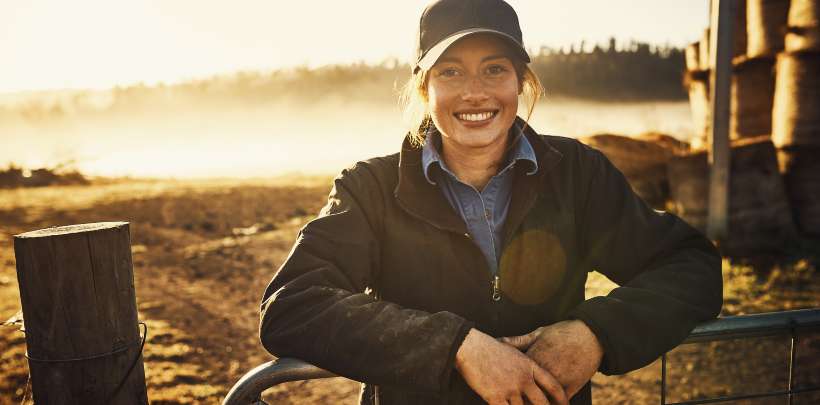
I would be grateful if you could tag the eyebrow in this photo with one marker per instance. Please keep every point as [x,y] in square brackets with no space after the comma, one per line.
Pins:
[484,59]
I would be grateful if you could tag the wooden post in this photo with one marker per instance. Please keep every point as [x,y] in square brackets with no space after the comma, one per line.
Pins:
[79,307]
[721,61]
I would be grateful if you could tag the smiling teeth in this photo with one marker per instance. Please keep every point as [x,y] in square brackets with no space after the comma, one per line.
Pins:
[475,117]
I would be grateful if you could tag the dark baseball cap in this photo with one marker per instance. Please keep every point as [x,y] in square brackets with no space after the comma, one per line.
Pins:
[444,22]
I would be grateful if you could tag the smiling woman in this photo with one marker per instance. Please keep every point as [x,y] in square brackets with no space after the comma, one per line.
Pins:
[450,73]
[453,271]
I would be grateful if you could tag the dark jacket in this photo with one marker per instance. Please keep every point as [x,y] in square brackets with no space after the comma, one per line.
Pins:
[386,231]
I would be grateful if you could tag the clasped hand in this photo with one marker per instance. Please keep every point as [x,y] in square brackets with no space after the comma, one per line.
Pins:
[546,366]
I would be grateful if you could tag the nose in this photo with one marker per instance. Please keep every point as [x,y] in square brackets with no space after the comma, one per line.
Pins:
[474,91]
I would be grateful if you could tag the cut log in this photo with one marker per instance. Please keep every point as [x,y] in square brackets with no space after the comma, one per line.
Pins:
[79,305]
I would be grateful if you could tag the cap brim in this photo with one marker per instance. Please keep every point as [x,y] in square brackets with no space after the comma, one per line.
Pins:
[429,59]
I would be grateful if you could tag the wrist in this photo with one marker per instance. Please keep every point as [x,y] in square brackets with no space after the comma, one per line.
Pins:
[594,344]
[468,342]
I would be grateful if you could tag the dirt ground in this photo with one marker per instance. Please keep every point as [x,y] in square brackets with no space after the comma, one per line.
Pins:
[203,252]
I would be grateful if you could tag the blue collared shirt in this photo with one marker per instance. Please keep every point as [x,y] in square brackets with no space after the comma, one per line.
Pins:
[485,211]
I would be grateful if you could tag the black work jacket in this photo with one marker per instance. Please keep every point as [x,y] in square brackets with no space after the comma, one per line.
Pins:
[388,233]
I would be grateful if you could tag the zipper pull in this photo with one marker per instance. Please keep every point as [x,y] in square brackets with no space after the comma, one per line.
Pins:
[496,289]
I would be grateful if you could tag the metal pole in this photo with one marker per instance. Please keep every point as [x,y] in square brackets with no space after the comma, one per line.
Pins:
[720,55]
[663,379]
[792,359]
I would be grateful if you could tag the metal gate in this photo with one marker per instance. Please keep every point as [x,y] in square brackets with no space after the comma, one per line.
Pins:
[249,388]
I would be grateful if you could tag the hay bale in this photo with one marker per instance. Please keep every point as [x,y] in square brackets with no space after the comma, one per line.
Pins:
[800,166]
[760,221]
[642,160]
[796,108]
[739,30]
[698,85]
[752,93]
[804,13]
[765,26]
[704,50]
[693,56]
[804,26]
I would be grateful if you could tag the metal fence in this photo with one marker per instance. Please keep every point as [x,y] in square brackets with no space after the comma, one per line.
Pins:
[789,323]
[249,388]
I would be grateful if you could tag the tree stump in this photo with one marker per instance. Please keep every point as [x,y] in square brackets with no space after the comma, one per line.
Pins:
[79,306]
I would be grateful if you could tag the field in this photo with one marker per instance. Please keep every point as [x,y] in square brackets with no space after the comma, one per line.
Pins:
[204,250]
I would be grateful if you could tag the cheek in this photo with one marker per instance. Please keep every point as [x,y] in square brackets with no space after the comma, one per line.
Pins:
[438,102]
[509,96]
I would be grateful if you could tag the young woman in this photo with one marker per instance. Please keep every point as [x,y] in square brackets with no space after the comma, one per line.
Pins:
[453,271]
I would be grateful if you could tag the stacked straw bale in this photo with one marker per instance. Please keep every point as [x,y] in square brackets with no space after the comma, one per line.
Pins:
[796,114]
[704,46]
[804,26]
[739,37]
[801,176]
[752,93]
[698,64]
[763,23]
[765,26]
[796,109]
[775,130]
[760,221]
[696,82]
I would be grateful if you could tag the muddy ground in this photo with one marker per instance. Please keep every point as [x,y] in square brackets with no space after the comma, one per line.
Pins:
[203,252]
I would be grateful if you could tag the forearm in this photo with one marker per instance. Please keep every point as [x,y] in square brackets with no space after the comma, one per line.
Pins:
[669,274]
[353,335]
[655,311]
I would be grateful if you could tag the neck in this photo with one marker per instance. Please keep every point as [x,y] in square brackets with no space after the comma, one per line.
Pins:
[474,166]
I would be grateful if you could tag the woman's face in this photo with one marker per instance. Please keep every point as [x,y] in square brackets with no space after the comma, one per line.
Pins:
[473,92]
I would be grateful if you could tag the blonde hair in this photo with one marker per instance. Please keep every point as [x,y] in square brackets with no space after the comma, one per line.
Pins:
[414,99]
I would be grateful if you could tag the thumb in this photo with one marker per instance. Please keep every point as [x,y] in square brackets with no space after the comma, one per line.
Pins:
[522,342]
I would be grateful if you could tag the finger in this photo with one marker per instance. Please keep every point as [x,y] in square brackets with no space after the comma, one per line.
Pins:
[519,342]
[522,342]
[534,395]
[515,400]
[549,384]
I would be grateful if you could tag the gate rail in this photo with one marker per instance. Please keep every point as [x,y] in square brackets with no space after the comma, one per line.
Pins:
[249,388]
[751,326]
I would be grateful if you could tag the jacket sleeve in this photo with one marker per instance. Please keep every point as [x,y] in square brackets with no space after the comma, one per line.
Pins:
[316,309]
[669,274]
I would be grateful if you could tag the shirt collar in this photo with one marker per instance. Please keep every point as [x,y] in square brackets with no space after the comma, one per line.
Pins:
[519,149]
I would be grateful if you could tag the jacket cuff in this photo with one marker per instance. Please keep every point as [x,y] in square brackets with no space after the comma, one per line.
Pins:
[593,313]
[450,365]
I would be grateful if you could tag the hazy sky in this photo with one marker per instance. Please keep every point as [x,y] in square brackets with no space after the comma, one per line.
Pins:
[52,44]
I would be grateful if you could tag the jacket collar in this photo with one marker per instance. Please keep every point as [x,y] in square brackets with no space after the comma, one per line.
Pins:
[423,200]
[519,150]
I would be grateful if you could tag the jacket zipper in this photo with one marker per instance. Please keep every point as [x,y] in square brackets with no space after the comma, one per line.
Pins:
[495,303]
[496,284]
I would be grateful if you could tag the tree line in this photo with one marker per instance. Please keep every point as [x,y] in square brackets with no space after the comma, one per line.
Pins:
[636,72]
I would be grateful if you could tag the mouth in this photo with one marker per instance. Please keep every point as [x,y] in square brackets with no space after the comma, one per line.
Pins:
[476,116]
